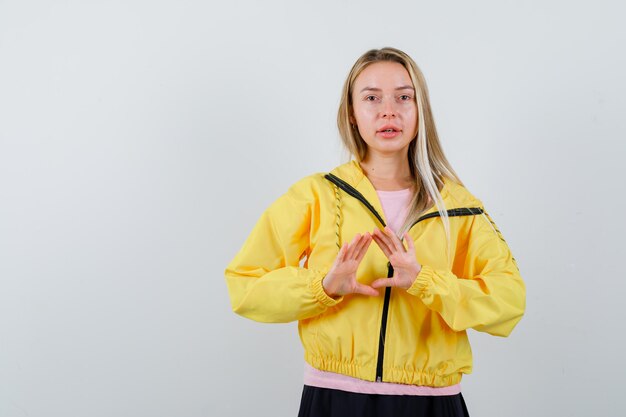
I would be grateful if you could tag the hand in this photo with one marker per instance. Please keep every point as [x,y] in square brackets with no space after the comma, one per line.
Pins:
[405,265]
[341,278]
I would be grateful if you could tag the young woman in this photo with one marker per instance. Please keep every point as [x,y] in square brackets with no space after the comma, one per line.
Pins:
[383,326]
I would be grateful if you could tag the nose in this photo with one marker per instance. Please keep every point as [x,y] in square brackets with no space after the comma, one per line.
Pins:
[388,109]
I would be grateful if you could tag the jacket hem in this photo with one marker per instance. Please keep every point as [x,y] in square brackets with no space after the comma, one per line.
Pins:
[394,375]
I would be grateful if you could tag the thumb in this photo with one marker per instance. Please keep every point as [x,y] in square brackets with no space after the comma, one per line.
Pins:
[383,282]
[365,290]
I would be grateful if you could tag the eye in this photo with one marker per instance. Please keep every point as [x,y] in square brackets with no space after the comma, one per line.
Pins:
[370,98]
[405,97]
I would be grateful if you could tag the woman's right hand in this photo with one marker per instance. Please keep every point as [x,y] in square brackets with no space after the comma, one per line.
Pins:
[341,278]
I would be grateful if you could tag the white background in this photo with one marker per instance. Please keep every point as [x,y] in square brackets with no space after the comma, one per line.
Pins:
[141,140]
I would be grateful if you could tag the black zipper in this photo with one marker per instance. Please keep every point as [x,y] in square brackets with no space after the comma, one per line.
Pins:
[463,211]
[383,328]
[354,193]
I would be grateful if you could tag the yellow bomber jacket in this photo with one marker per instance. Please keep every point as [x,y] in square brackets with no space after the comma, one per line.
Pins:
[415,336]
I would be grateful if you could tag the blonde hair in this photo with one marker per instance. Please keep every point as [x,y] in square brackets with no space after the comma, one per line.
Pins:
[427,161]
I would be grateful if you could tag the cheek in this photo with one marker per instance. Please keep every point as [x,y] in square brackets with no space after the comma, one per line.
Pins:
[363,115]
[412,115]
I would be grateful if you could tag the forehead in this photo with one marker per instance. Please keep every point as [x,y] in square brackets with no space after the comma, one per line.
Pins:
[382,75]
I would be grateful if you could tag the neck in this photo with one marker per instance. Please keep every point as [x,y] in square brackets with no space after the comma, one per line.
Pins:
[389,172]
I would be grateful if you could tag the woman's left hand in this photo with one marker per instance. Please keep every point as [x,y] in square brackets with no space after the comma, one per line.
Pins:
[405,265]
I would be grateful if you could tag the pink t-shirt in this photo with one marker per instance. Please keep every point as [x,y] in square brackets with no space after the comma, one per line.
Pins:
[395,205]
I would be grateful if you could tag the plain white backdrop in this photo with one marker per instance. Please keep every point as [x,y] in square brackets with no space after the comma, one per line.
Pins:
[141,140]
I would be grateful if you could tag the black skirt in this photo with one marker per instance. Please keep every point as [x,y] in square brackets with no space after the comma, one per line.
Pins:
[325,402]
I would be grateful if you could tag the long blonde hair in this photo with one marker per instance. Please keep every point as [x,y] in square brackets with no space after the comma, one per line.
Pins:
[427,161]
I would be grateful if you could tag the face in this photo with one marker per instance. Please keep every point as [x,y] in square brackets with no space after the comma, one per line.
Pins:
[384,107]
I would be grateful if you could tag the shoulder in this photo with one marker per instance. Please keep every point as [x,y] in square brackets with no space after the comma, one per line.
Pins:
[464,198]
[309,183]
[317,182]
[309,189]
[458,195]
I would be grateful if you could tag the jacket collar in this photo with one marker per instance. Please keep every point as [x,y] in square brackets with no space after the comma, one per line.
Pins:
[457,199]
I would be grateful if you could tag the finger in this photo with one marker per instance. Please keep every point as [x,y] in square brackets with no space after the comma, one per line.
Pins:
[352,246]
[395,243]
[384,235]
[342,252]
[381,243]
[383,247]
[384,282]
[409,242]
[363,243]
[365,290]
[363,248]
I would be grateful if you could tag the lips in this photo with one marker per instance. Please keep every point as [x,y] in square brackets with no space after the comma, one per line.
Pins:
[389,133]
[389,129]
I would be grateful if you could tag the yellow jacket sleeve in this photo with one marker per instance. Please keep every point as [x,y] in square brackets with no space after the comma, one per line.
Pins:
[489,297]
[265,281]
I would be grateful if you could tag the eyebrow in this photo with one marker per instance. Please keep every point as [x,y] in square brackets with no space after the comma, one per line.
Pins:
[404,87]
